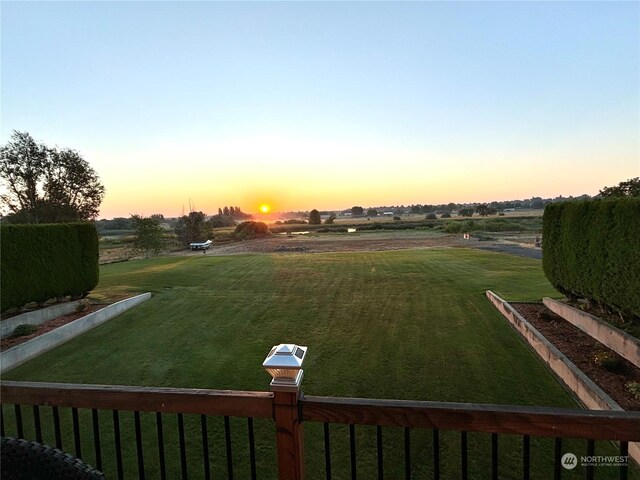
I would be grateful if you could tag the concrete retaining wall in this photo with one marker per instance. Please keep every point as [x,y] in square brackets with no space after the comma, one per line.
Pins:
[620,342]
[37,317]
[582,387]
[32,348]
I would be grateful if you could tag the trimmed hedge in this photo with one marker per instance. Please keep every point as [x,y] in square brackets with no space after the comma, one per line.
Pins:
[40,262]
[591,250]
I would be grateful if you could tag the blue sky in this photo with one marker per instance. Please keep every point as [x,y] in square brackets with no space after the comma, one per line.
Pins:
[326,105]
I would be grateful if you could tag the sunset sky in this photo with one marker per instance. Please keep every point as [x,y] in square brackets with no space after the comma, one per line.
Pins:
[328,105]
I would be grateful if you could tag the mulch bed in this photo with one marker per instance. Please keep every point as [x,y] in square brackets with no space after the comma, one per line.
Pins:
[580,348]
[9,342]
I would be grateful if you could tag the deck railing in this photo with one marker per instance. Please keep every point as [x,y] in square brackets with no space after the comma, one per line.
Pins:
[100,424]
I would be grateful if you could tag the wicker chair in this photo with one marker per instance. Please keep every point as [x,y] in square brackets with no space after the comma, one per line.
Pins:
[23,460]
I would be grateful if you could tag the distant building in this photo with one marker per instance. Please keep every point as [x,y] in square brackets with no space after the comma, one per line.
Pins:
[388,214]
[509,210]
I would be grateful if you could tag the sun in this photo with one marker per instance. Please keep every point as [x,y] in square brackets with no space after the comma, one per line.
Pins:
[264,208]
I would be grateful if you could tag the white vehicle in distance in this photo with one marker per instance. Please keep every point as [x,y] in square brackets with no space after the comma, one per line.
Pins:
[200,246]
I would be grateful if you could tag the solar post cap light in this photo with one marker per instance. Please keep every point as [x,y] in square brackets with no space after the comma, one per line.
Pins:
[284,364]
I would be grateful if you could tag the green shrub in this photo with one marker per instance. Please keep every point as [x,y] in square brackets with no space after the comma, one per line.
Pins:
[83,305]
[453,227]
[24,330]
[634,389]
[608,360]
[445,215]
[591,250]
[40,262]
[248,230]
[431,216]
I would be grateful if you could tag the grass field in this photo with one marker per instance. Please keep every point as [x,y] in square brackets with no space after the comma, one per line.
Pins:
[411,324]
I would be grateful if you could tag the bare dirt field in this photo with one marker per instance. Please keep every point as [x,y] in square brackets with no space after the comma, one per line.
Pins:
[366,241]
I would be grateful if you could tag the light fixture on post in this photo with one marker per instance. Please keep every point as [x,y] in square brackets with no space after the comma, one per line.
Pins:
[284,364]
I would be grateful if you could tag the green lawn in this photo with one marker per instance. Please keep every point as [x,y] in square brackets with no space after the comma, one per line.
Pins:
[411,324]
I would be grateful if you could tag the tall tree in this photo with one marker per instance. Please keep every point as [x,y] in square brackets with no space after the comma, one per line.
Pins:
[47,185]
[628,188]
[148,235]
[194,228]
[314,217]
[357,211]
[483,210]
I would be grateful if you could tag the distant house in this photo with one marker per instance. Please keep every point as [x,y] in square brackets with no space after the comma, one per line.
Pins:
[388,214]
[509,210]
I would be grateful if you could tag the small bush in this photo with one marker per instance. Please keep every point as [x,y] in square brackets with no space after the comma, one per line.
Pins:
[397,219]
[83,305]
[24,330]
[248,230]
[445,215]
[608,360]
[453,227]
[431,216]
[634,389]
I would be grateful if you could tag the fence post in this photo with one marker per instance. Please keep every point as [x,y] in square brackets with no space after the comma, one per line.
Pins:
[284,364]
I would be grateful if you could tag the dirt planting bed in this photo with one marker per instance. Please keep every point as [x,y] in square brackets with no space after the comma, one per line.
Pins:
[582,349]
[52,324]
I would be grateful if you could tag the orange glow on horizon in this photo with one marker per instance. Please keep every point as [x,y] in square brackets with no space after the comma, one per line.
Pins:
[265,208]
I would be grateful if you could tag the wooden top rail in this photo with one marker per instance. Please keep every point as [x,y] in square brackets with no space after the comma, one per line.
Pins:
[142,399]
[518,420]
[535,421]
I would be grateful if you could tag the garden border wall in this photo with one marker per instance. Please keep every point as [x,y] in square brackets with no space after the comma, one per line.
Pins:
[582,387]
[36,317]
[32,348]
[620,342]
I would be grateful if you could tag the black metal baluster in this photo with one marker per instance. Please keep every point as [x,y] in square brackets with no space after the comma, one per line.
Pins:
[591,447]
[352,448]
[18,413]
[327,451]
[407,453]
[227,439]
[96,438]
[379,446]
[2,433]
[205,446]
[464,449]
[557,470]
[494,456]
[116,436]
[436,454]
[183,451]
[76,432]
[163,468]
[526,457]
[139,452]
[56,428]
[252,449]
[36,423]
[624,452]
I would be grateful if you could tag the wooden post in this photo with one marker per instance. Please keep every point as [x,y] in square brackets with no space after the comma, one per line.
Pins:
[289,435]
[284,364]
